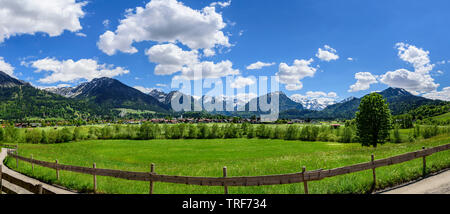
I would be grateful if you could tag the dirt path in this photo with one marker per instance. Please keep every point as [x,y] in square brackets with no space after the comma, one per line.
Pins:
[437,184]
[25,178]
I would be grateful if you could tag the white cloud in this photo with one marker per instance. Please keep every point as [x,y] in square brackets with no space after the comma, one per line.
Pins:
[166,21]
[81,34]
[291,75]
[350,59]
[161,85]
[207,69]
[416,56]
[209,52]
[106,23]
[172,59]
[70,71]
[364,80]
[6,67]
[417,81]
[414,82]
[439,95]
[47,16]
[332,94]
[259,65]
[221,4]
[327,54]
[241,82]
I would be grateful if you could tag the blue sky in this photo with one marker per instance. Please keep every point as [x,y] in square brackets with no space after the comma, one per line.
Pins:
[390,43]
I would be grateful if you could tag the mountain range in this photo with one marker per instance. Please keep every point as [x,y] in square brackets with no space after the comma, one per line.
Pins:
[102,97]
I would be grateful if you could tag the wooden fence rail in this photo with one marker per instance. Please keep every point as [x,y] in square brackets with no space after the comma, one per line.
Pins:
[36,189]
[225,181]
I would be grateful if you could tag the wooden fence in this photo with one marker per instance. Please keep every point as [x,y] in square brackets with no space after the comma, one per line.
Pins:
[304,176]
[36,189]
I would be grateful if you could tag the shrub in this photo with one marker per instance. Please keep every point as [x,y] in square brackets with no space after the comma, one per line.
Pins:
[66,135]
[347,135]
[53,136]
[33,136]
[291,133]
[2,134]
[106,132]
[203,131]
[77,134]
[250,132]
[94,132]
[11,134]
[305,133]
[263,132]
[278,133]
[44,139]
[396,136]
[192,131]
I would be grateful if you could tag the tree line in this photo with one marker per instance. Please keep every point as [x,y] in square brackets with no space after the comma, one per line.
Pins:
[149,131]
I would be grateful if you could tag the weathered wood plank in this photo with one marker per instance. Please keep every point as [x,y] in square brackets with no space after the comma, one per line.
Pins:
[25,185]
[28,186]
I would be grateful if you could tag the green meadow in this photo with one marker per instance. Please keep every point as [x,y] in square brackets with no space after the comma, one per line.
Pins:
[243,157]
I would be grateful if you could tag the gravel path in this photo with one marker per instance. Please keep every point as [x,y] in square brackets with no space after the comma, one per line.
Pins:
[25,178]
[436,184]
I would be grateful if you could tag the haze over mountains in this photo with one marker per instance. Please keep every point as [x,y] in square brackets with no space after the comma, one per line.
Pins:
[102,96]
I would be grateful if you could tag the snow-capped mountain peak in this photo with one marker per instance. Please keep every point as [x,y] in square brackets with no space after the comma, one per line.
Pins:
[313,103]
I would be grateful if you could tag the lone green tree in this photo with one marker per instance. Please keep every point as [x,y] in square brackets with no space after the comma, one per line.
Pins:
[373,120]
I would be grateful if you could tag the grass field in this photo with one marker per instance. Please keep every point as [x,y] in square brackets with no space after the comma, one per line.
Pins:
[243,157]
[442,117]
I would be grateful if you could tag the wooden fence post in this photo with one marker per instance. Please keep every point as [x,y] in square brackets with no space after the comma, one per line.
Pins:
[305,184]
[225,175]
[373,171]
[1,179]
[39,187]
[57,170]
[152,170]
[95,179]
[17,160]
[424,170]
[32,165]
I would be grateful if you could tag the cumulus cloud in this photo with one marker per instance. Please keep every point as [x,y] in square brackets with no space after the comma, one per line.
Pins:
[70,70]
[414,82]
[172,59]
[258,65]
[166,21]
[364,80]
[106,23]
[52,17]
[161,85]
[81,34]
[291,75]
[6,67]
[221,4]
[241,82]
[417,81]
[439,95]
[327,54]
[350,59]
